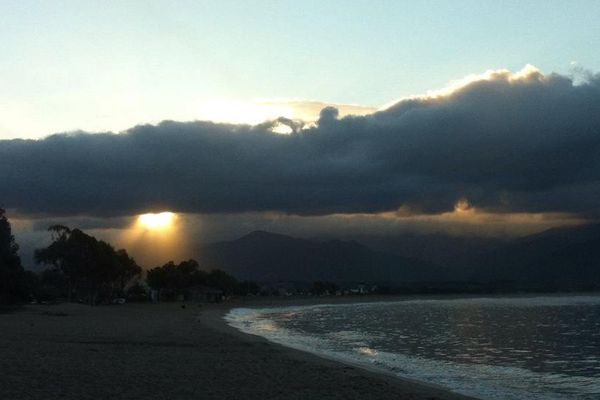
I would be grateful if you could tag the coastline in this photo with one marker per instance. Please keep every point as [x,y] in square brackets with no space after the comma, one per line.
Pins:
[171,350]
[408,388]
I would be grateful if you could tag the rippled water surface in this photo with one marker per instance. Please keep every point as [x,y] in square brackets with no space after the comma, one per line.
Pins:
[493,348]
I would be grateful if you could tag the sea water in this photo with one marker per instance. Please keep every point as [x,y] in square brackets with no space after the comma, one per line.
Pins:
[491,348]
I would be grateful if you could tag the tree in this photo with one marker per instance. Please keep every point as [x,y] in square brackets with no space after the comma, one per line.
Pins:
[221,280]
[173,279]
[176,279]
[127,269]
[13,279]
[156,278]
[90,266]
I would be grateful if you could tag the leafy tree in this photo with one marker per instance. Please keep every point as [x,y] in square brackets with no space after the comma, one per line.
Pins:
[177,279]
[127,269]
[13,279]
[90,267]
[221,280]
[156,278]
[174,279]
[53,285]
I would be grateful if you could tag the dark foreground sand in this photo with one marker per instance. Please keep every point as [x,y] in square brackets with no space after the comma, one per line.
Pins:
[163,351]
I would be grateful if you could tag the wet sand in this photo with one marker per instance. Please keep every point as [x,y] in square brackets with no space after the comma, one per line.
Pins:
[164,351]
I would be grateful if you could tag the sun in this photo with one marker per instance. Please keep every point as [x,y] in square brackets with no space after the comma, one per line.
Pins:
[158,221]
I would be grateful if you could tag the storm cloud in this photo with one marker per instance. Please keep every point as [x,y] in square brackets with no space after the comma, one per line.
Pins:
[502,143]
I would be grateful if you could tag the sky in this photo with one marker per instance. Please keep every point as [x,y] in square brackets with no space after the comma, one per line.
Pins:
[110,65]
[307,118]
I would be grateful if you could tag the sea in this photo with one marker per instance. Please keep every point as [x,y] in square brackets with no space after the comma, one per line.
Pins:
[544,347]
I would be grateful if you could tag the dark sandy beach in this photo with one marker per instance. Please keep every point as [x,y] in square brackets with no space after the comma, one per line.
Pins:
[164,351]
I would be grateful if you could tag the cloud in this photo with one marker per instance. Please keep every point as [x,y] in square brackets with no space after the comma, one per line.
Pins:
[309,110]
[504,142]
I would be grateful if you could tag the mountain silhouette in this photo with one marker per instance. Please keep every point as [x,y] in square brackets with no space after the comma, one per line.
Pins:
[568,256]
[268,257]
[559,258]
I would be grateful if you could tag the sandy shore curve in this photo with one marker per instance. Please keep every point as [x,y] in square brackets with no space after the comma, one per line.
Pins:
[171,351]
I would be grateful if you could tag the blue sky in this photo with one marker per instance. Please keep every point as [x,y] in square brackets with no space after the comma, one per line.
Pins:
[109,65]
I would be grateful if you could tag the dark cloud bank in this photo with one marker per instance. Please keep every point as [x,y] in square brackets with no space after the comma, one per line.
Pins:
[529,144]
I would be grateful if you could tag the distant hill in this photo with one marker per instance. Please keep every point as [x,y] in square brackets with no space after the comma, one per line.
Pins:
[559,258]
[562,257]
[436,248]
[269,257]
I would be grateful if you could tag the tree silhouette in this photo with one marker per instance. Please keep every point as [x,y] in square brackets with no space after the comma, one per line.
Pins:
[13,279]
[176,279]
[89,266]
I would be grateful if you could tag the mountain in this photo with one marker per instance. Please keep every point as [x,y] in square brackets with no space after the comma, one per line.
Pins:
[563,257]
[437,248]
[269,257]
[559,258]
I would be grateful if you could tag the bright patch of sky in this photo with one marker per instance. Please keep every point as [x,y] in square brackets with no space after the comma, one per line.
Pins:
[108,65]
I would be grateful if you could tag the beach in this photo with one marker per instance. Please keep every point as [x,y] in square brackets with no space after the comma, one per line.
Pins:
[170,351]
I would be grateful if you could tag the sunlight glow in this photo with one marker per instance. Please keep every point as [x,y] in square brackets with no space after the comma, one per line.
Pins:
[156,238]
[528,72]
[242,112]
[258,111]
[159,221]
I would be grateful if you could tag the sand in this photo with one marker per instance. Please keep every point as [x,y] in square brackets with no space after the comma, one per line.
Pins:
[164,351]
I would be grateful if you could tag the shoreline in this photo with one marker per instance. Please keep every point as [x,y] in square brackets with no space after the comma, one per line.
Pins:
[172,350]
[214,318]
[181,351]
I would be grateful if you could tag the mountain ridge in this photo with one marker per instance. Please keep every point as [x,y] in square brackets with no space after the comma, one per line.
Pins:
[563,257]
[267,256]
